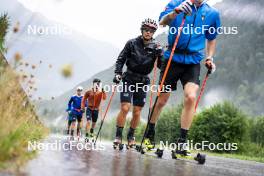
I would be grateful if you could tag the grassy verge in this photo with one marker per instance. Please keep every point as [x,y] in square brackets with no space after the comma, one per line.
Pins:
[236,156]
[18,122]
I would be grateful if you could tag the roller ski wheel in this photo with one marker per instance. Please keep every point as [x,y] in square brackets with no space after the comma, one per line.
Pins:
[185,154]
[159,153]
[118,144]
[200,158]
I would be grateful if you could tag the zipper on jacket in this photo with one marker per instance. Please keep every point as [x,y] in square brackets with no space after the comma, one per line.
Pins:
[191,32]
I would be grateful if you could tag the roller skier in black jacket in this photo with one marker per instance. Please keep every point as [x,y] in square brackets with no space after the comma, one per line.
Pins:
[139,55]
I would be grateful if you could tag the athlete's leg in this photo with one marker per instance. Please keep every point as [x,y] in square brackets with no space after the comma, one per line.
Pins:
[121,117]
[88,121]
[94,120]
[135,116]
[190,92]
[79,120]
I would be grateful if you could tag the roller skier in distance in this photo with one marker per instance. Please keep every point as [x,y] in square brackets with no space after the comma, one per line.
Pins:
[75,112]
[190,50]
[94,97]
[139,55]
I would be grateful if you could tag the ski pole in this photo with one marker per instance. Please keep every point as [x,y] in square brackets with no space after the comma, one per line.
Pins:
[107,108]
[202,89]
[163,78]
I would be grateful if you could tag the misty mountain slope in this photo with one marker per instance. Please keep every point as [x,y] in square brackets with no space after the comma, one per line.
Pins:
[85,54]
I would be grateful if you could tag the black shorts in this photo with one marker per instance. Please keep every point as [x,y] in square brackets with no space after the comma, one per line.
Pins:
[183,72]
[92,115]
[138,95]
[77,117]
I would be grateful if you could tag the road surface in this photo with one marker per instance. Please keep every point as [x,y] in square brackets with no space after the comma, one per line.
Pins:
[111,162]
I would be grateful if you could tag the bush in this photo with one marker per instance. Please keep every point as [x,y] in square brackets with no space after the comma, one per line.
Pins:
[257,131]
[223,123]
[168,126]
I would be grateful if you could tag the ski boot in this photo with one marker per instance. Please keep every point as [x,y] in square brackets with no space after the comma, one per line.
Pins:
[181,150]
[79,136]
[131,142]
[67,132]
[86,140]
[149,144]
[92,137]
[71,138]
[118,143]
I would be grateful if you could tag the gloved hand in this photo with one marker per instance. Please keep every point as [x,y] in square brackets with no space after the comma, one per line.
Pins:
[117,79]
[185,7]
[159,50]
[82,110]
[210,65]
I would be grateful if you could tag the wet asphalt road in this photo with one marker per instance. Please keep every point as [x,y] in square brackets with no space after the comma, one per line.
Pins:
[111,162]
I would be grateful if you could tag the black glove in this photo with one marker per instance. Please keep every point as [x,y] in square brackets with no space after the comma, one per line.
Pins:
[159,51]
[117,78]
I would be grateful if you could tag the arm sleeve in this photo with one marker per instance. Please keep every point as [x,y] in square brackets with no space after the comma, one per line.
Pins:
[121,60]
[84,101]
[211,34]
[169,8]
[70,104]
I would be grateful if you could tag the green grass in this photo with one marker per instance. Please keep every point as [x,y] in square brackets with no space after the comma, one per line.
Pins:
[236,156]
[19,123]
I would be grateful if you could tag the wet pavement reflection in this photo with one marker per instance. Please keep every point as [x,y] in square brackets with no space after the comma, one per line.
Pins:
[111,162]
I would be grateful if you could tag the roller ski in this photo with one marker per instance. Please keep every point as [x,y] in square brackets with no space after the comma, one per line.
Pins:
[92,138]
[148,148]
[131,143]
[118,144]
[182,152]
[86,139]
[71,138]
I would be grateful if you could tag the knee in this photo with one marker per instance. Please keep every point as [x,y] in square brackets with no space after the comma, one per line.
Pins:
[125,109]
[190,98]
[161,102]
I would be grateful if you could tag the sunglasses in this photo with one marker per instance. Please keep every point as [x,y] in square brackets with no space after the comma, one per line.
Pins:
[149,30]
